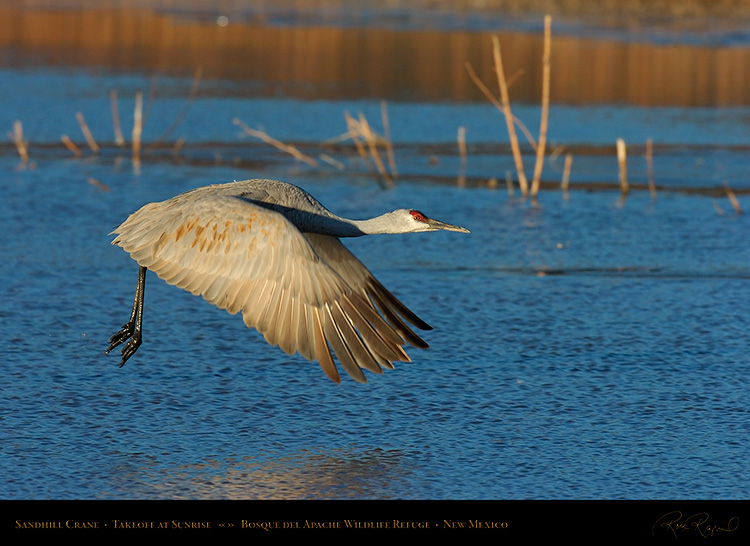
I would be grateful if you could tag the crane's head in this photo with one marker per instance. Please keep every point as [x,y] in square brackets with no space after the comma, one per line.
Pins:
[414,220]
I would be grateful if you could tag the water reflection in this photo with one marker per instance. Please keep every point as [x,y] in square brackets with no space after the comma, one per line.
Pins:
[337,474]
[377,62]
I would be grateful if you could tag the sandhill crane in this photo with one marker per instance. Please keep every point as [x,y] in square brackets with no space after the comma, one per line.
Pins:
[270,250]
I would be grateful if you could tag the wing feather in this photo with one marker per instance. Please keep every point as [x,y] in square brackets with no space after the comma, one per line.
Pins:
[305,293]
[362,281]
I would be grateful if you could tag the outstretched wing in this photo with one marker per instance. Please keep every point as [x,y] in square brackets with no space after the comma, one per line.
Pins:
[359,278]
[243,257]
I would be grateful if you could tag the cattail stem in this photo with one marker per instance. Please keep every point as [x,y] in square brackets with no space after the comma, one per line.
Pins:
[87,133]
[137,127]
[351,124]
[119,139]
[178,120]
[265,137]
[509,183]
[462,154]
[509,115]
[622,161]
[732,199]
[369,137]
[70,145]
[21,144]
[545,106]
[388,142]
[566,172]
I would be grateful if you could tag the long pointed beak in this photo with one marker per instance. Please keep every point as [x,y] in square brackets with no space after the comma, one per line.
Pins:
[436,224]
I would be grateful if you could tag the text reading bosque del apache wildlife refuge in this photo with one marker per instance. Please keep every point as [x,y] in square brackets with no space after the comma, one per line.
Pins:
[263,525]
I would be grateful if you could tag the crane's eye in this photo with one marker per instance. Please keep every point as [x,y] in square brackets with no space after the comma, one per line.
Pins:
[418,216]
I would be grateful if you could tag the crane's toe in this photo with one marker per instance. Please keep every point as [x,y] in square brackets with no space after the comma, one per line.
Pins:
[130,347]
[132,335]
[125,333]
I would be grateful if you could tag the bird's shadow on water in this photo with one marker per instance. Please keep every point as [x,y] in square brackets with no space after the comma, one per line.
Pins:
[308,474]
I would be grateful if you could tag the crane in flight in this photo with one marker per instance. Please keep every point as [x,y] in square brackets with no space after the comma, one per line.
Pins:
[270,250]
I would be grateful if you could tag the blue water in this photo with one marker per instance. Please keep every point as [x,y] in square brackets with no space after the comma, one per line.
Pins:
[583,347]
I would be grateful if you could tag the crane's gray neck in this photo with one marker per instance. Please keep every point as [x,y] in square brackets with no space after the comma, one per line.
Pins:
[318,219]
[344,227]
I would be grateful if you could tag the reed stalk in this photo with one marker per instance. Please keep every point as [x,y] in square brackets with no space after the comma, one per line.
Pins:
[509,115]
[332,161]
[353,133]
[509,183]
[566,173]
[487,93]
[183,112]
[137,127]
[265,137]
[87,133]
[70,145]
[21,145]
[119,139]
[388,141]
[733,199]
[371,140]
[178,145]
[462,154]
[622,161]
[94,182]
[545,106]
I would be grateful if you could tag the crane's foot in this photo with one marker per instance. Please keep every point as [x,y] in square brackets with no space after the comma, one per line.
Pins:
[128,333]
[125,332]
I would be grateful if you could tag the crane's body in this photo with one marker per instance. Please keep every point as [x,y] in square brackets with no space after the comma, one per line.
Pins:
[271,251]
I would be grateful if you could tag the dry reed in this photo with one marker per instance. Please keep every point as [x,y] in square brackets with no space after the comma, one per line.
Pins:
[372,144]
[183,112]
[94,182]
[119,139]
[565,185]
[733,199]
[509,115]
[354,135]
[545,106]
[622,161]
[509,183]
[87,133]
[462,154]
[387,136]
[487,93]
[70,145]
[268,139]
[21,145]
[137,127]
[332,161]
[178,145]
[361,133]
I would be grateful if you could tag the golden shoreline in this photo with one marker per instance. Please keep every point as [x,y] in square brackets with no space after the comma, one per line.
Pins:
[338,62]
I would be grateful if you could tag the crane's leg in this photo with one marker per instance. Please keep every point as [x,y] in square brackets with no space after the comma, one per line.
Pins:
[132,330]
